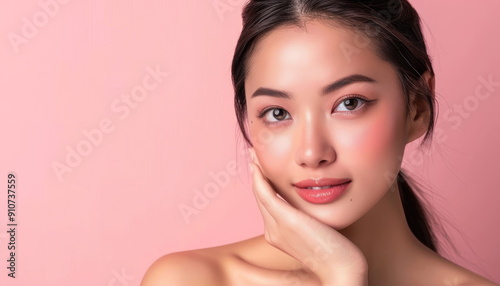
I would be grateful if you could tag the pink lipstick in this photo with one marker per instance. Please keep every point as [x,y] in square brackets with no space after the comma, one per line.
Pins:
[321,191]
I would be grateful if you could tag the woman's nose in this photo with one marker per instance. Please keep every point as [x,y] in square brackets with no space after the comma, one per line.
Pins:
[315,147]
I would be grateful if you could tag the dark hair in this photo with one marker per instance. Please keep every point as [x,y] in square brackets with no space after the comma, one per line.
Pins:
[393,30]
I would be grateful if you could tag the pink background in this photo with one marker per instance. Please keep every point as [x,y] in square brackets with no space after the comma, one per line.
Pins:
[117,211]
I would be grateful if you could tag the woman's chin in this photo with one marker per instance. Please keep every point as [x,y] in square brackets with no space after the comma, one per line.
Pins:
[326,216]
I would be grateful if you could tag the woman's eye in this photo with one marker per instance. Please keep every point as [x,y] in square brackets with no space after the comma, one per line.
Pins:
[350,104]
[275,115]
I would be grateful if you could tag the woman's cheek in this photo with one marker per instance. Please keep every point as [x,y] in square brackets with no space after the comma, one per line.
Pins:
[280,146]
[273,149]
[370,143]
[276,153]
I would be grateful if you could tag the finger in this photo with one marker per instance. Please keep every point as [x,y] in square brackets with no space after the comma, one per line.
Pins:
[253,156]
[268,197]
[269,220]
[255,186]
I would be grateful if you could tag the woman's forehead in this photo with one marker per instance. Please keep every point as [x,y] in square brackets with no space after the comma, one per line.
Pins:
[290,54]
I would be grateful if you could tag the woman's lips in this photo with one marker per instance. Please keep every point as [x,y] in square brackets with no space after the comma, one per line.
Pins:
[320,182]
[327,194]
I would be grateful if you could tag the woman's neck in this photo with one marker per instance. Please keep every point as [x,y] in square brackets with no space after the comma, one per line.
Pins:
[386,240]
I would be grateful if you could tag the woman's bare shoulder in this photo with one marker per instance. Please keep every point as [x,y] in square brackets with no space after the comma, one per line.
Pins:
[456,275]
[465,277]
[192,267]
[206,266]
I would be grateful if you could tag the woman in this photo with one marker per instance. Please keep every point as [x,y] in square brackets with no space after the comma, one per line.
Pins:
[327,95]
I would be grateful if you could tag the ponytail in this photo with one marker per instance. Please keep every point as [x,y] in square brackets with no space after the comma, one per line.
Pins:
[415,212]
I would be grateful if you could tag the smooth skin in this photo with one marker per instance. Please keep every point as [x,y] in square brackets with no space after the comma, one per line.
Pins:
[361,238]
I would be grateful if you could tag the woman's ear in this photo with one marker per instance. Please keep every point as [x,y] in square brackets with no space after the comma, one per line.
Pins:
[419,116]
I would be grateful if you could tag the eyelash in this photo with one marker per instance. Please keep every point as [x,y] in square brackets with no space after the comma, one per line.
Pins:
[364,101]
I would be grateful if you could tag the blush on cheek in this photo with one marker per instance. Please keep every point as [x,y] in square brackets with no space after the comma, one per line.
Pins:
[385,141]
[373,139]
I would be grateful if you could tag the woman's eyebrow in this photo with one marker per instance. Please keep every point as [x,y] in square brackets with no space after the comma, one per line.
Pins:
[326,90]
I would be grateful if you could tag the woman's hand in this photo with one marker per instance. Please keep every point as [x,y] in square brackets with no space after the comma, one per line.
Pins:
[325,252]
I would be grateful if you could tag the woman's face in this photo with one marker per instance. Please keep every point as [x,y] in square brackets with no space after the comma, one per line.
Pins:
[300,132]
